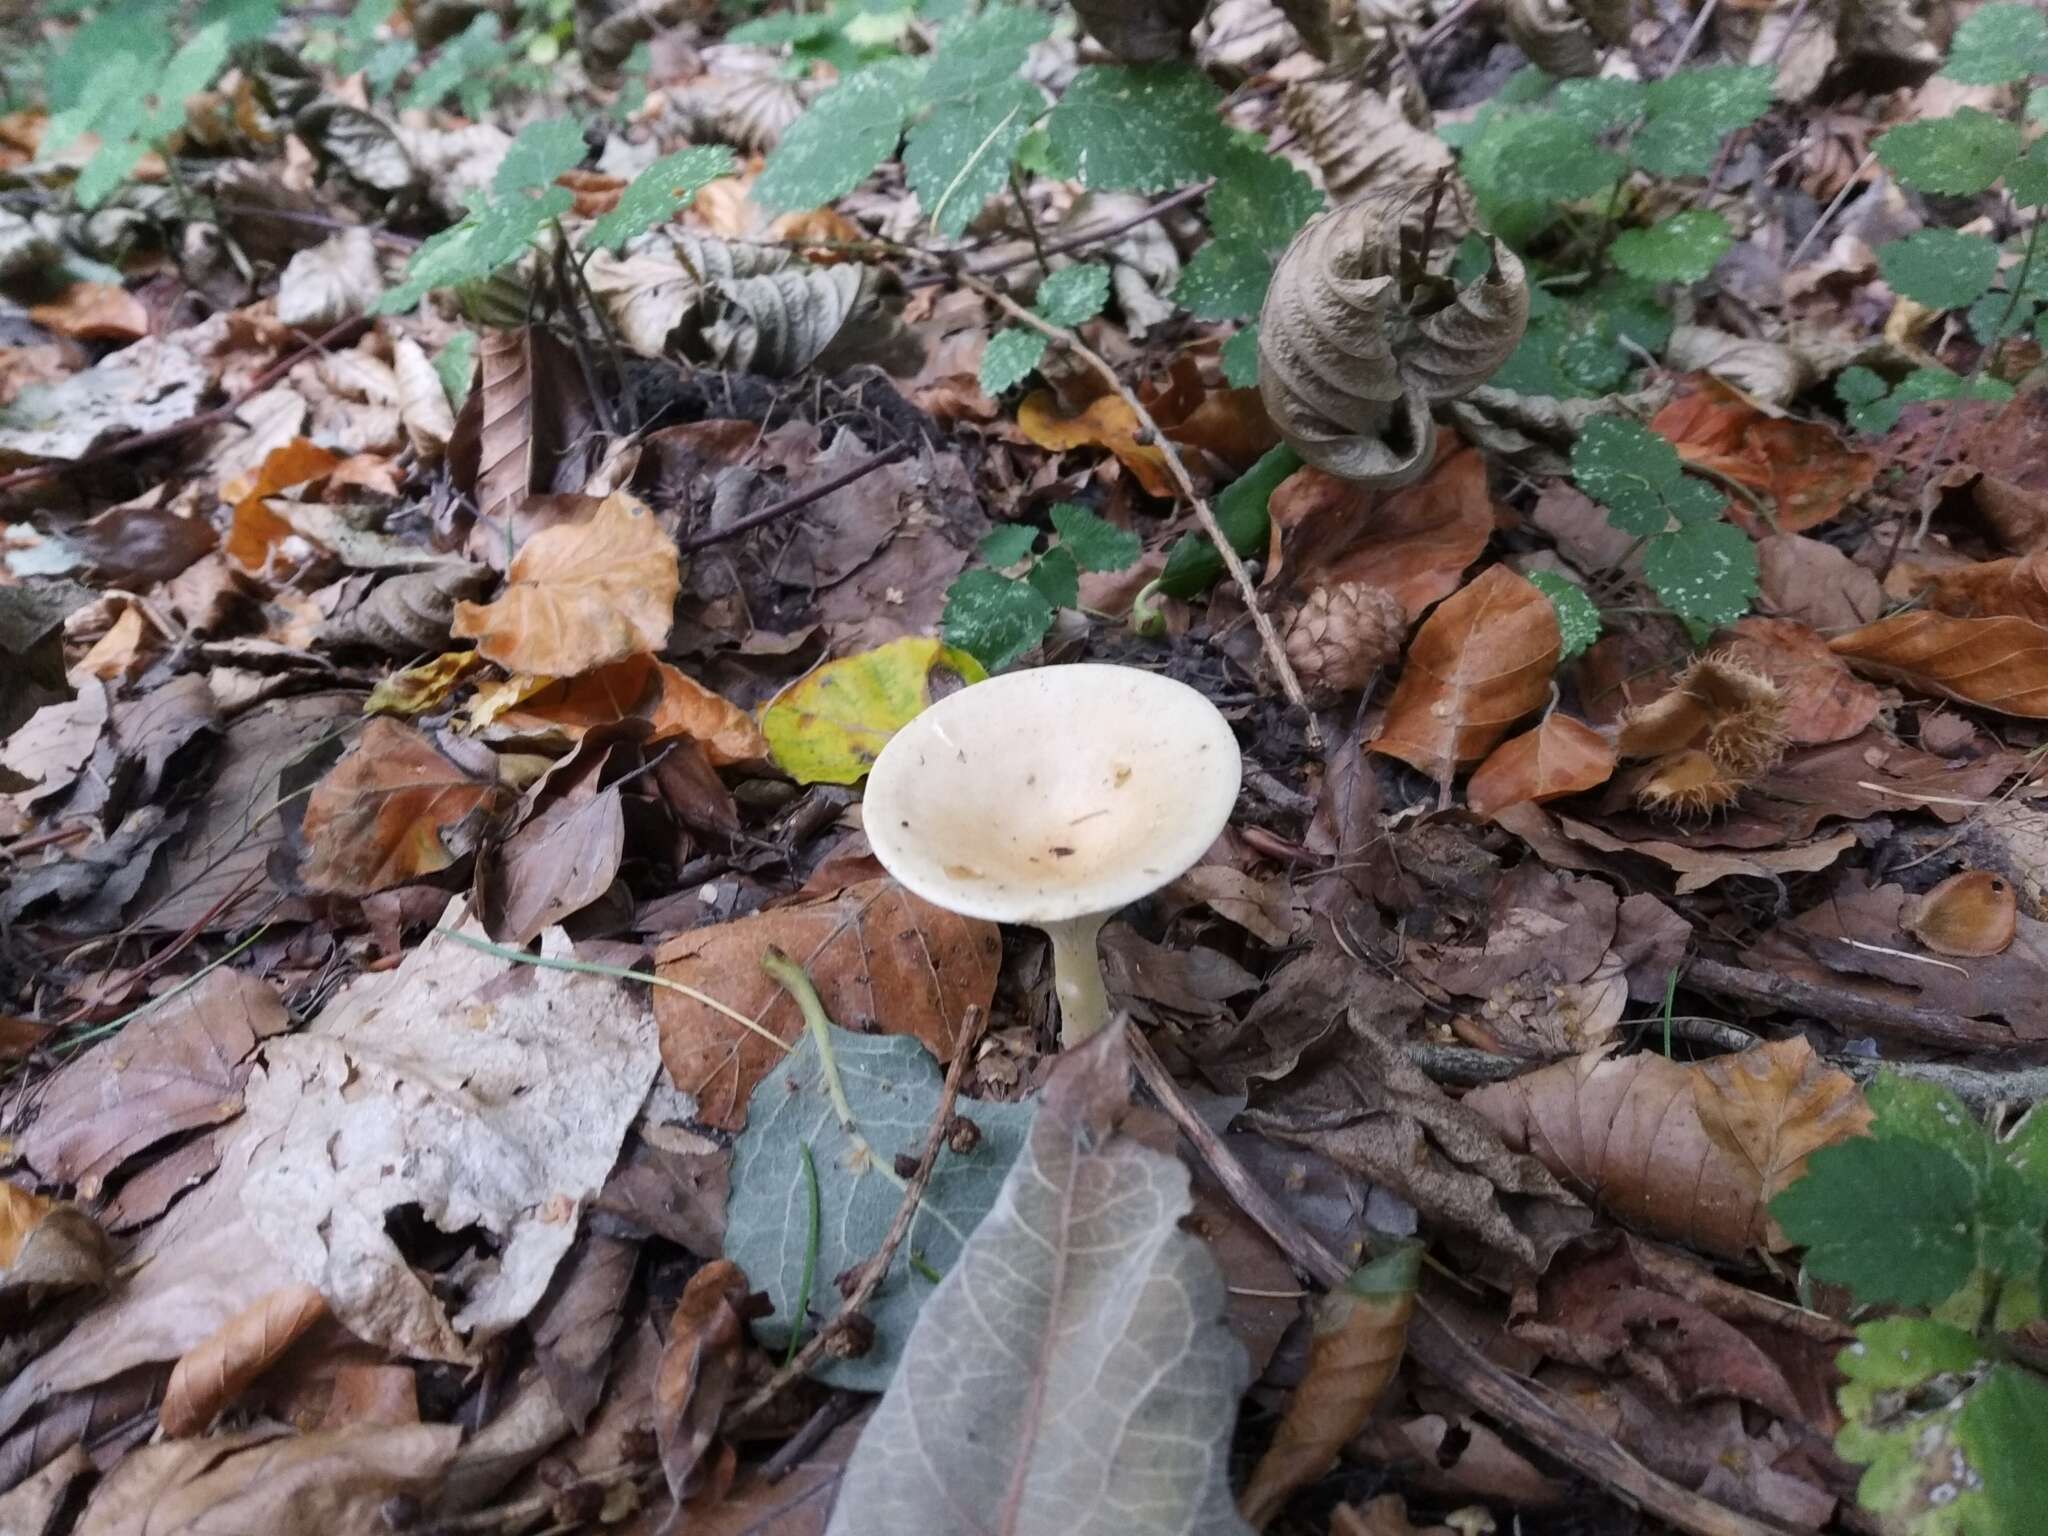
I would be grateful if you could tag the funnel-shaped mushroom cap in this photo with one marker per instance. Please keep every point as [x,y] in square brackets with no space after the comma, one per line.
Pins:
[1041,796]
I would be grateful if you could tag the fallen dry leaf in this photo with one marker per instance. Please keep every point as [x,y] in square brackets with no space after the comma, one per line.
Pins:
[393,809]
[255,532]
[1823,700]
[1562,756]
[46,1246]
[880,958]
[1414,542]
[581,595]
[1801,467]
[699,1368]
[1973,914]
[1998,663]
[415,690]
[1107,423]
[1814,583]
[208,1379]
[2015,588]
[93,312]
[1692,1153]
[1480,663]
[665,702]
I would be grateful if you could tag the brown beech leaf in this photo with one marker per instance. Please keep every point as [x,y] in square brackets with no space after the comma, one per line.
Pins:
[2015,588]
[706,1344]
[581,595]
[1972,914]
[393,809]
[1361,1333]
[210,1377]
[1414,543]
[642,689]
[1998,663]
[1801,466]
[1814,583]
[1691,1153]
[255,531]
[93,312]
[879,957]
[47,1246]
[1823,700]
[1560,757]
[1107,423]
[1480,663]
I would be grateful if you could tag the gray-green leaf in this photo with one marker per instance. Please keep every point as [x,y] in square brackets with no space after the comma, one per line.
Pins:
[847,132]
[541,153]
[1009,357]
[959,157]
[1143,128]
[1998,45]
[1958,155]
[659,192]
[1073,294]
[1940,268]
[1680,249]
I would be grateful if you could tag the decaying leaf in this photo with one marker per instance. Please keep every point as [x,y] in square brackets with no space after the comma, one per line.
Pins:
[1366,142]
[407,614]
[827,726]
[1075,1348]
[2016,587]
[47,1246]
[698,1369]
[1974,913]
[1415,542]
[394,808]
[879,957]
[1693,1153]
[255,532]
[93,312]
[1108,423]
[1554,36]
[1802,466]
[640,692]
[1142,31]
[580,595]
[1348,374]
[1479,664]
[1361,1333]
[207,1379]
[1998,663]
[1562,756]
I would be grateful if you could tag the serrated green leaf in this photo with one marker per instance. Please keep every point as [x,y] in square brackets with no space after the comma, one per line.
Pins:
[2027,177]
[1907,1109]
[658,193]
[1694,500]
[1675,146]
[1260,199]
[1009,357]
[2000,314]
[1554,159]
[1680,249]
[1881,413]
[1884,1218]
[843,136]
[1705,572]
[1241,359]
[1998,45]
[2003,1430]
[455,365]
[1940,268]
[1629,470]
[1008,545]
[190,71]
[1095,543]
[959,156]
[1719,99]
[978,52]
[1599,104]
[1960,154]
[1859,386]
[1578,621]
[1224,280]
[541,153]
[892,1087]
[828,726]
[1073,294]
[993,618]
[472,250]
[1139,128]
[105,171]
[1057,577]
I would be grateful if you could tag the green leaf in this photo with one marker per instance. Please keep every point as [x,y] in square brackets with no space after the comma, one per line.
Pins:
[1600,104]
[1939,268]
[1703,571]
[2027,177]
[1095,543]
[1680,249]
[828,726]
[456,365]
[1224,280]
[459,58]
[1886,1218]
[1999,314]
[190,71]
[1904,1108]
[1554,159]
[993,618]
[1260,199]
[977,52]
[844,135]
[959,157]
[658,193]
[104,173]
[1057,577]
[1009,357]
[542,152]
[2004,1432]
[1241,359]
[892,1086]
[1008,545]
[1998,45]
[1958,155]
[1895,1353]
[1629,470]
[1578,621]
[472,250]
[1192,564]
[1719,99]
[1140,128]
[1073,294]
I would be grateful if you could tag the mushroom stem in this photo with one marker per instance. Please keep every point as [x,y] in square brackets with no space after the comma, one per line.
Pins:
[1077,976]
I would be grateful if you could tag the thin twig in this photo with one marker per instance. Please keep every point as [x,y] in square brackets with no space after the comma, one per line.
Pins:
[1827,214]
[795,503]
[1692,38]
[878,1266]
[1269,638]
[1076,241]
[1845,1008]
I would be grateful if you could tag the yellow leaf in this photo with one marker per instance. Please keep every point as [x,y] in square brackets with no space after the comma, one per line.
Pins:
[826,727]
[418,689]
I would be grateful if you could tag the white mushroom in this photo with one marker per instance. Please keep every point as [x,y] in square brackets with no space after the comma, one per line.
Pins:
[1053,798]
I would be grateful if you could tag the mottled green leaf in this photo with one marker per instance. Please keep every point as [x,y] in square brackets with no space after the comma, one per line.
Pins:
[1629,470]
[977,52]
[1703,571]
[1999,44]
[1008,545]
[1241,359]
[1141,128]
[1578,621]
[994,619]
[1224,280]
[1959,154]
[541,153]
[1095,543]
[1680,249]
[1009,357]
[1073,294]
[1260,199]
[1057,577]
[1940,268]
[658,193]
[959,156]
[455,365]
[1885,1218]
[843,136]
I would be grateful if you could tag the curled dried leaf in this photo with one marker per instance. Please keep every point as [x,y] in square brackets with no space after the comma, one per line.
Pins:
[213,1373]
[1142,31]
[1364,141]
[1351,358]
[1972,914]
[408,614]
[749,111]
[1553,35]
[699,1369]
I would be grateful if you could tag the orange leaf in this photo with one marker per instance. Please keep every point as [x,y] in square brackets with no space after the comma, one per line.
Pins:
[1801,466]
[94,312]
[641,689]
[581,595]
[1414,543]
[393,809]
[1479,663]
[2015,588]
[2000,663]
[256,530]
[1972,914]
[219,1368]
[415,690]
[47,1246]
[1560,757]
[1108,423]
[698,1369]
[1824,701]
[879,957]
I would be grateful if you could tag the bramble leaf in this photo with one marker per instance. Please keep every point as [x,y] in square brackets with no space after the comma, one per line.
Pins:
[1998,45]
[1073,294]
[843,136]
[1881,1217]
[1578,621]
[1940,268]
[1260,199]
[1705,571]
[1960,154]
[1008,545]
[993,618]
[1691,112]
[959,157]
[1680,249]
[658,193]
[1009,357]
[1095,543]
[1143,128]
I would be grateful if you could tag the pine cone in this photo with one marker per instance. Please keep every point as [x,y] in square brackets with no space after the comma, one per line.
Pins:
[1342,635]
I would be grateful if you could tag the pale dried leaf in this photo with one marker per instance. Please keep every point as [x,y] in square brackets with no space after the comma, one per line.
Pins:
[1365,141]
[328,283]
[423,407]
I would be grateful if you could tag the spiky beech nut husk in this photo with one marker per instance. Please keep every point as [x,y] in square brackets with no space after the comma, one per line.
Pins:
[1343,634]
[1720,705]
[1688,785]
[1350,363]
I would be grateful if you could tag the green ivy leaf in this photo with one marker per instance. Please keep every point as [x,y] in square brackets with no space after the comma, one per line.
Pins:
[1241,359]
[1704,572]
[1884,1218]
[1224,280]
[1009,357]
[1096,543]
[993,618]
[1680,249]
[1073,294]
[1057,577]
[1578,621]
[658,193]
[959,157]
[1629,470]
[1998,45]
[1008,545]
[843,136]
[977,52]
[1140,128]
[1940,268]
[1958,155]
